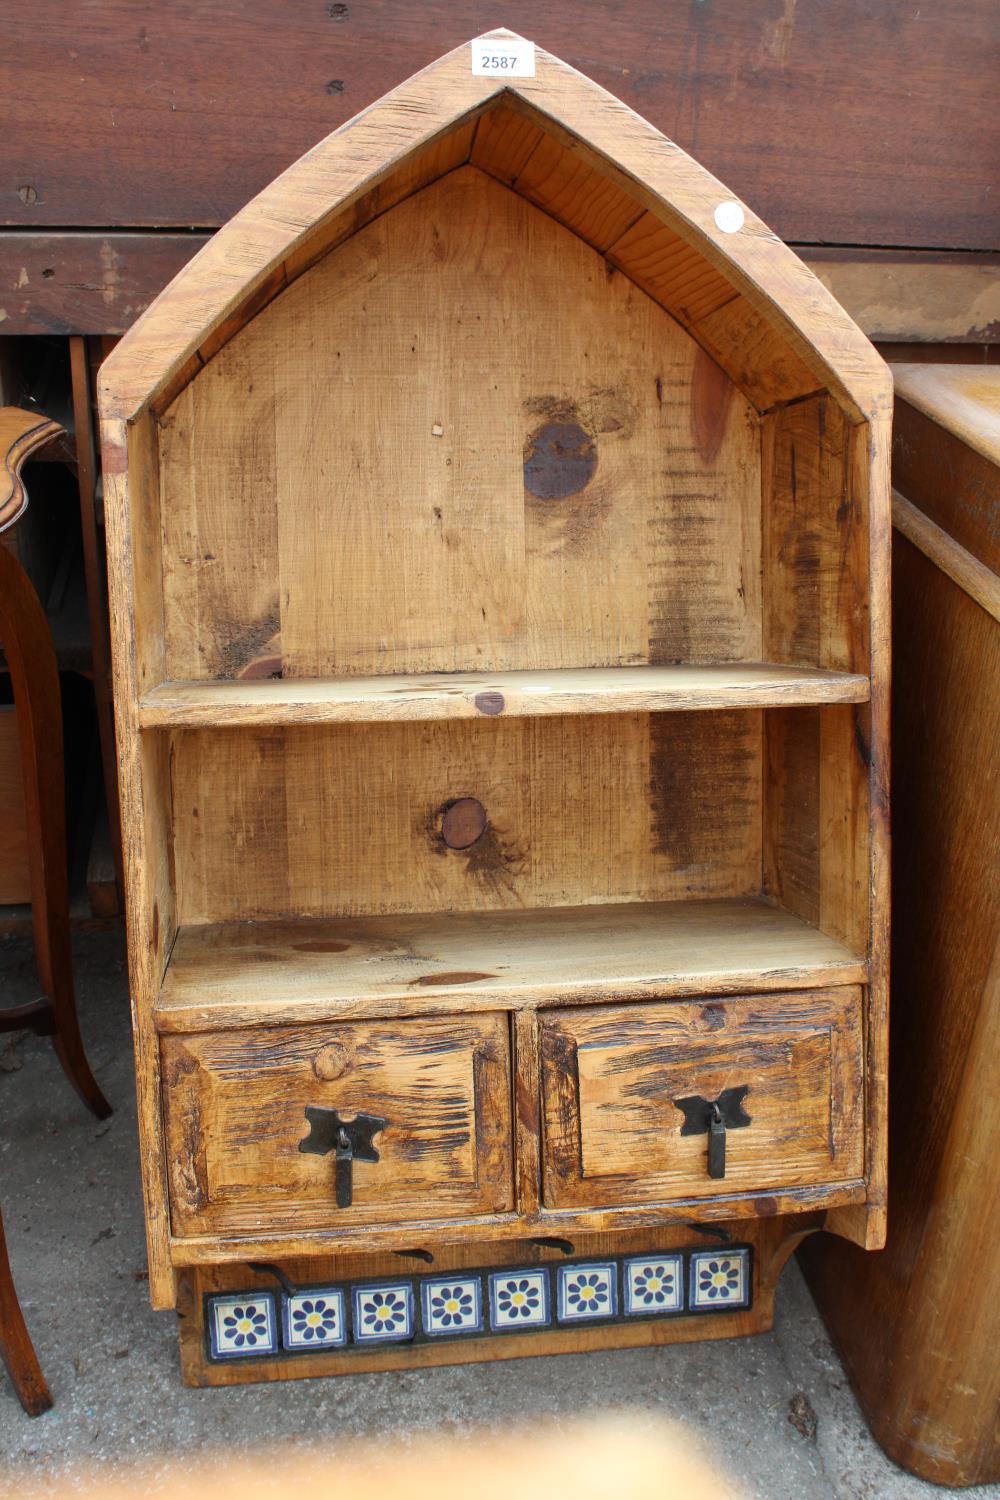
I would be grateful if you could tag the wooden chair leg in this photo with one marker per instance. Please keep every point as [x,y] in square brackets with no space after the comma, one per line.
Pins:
[31,662]
[16,1349]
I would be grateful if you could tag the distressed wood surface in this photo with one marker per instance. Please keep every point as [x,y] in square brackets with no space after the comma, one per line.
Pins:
[179,116]
[324,821]
[216,1249]
[921,296]
[480,387]
[93,282]
[781,335]
[235,1116]
[242,974]
[917,1333]
[488,341]
[454,695]
[611,1077]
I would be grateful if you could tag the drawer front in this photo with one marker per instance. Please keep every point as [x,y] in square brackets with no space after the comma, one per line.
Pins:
[235,1111]
[611,1076]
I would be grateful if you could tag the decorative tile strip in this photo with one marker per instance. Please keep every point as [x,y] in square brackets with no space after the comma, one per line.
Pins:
[463,1304]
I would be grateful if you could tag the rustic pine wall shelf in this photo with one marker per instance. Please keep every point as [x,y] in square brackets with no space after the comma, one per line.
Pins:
[498,517]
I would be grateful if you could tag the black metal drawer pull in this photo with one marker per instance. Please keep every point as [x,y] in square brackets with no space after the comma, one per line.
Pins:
[350,1139]
[715,1117]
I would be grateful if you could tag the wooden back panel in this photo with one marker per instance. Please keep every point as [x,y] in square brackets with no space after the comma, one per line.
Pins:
[327,821]
[459,441]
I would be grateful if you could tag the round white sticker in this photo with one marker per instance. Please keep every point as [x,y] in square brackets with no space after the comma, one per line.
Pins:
[729,217]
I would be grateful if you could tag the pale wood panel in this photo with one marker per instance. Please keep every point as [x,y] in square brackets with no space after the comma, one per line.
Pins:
[322,821]
[610,1076]
[246,973]
[670,270]
[573,191]
[817,833]
[207,1250]
[426,165]
[132,517]
[816,539]
[235,1116]
[413,370]
[161,353]
[756,355]
[220,523]
[461,695]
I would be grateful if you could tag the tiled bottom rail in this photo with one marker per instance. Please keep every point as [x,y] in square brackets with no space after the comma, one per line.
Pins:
[487,1303]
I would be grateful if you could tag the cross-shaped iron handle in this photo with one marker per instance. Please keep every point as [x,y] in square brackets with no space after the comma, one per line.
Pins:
[350,1139]
[715,1116]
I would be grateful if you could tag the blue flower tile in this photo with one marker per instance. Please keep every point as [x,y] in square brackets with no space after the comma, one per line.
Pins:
[653,1284]
[719,1280]
[452,1304]
[519,1300]
[587,1292]
[242,1325]
[383,1314]
[316,1319]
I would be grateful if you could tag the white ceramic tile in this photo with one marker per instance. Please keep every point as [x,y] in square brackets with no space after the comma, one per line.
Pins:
[587,1292]
[239,1326]
[519,1299]
[452,1304]
[719,1280]
[384,1313]
[315,1319]
[653,1284]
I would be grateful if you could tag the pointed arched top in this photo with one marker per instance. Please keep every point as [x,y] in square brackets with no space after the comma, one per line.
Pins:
[638,198]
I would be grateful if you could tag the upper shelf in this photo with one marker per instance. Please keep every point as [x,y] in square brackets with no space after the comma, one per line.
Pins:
[469,695]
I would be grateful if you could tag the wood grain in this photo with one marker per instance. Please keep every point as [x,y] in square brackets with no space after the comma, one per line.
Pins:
[323,821]
[457,318]
[453,695]
[478,402]
[235,1115]
[242,974]
[781,317]
[15,873]
[611,1076]
[917,1333]
[806,112]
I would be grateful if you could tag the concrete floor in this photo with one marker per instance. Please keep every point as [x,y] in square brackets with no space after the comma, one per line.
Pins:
[774,1411]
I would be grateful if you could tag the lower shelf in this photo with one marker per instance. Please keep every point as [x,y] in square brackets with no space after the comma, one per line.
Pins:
[242,973]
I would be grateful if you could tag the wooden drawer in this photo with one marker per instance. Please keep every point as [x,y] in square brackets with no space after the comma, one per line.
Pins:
[235,1102]
[610,1076]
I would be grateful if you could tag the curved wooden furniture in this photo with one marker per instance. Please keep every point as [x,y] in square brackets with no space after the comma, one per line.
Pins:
[919,1325]
[31,663]
[498,522]
[16,1349]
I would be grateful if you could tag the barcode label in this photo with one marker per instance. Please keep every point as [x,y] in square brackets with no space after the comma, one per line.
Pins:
[513,58]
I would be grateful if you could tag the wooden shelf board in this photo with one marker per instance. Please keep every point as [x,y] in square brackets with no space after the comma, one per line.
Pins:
[220,1249]
[455,695]
[253,973]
